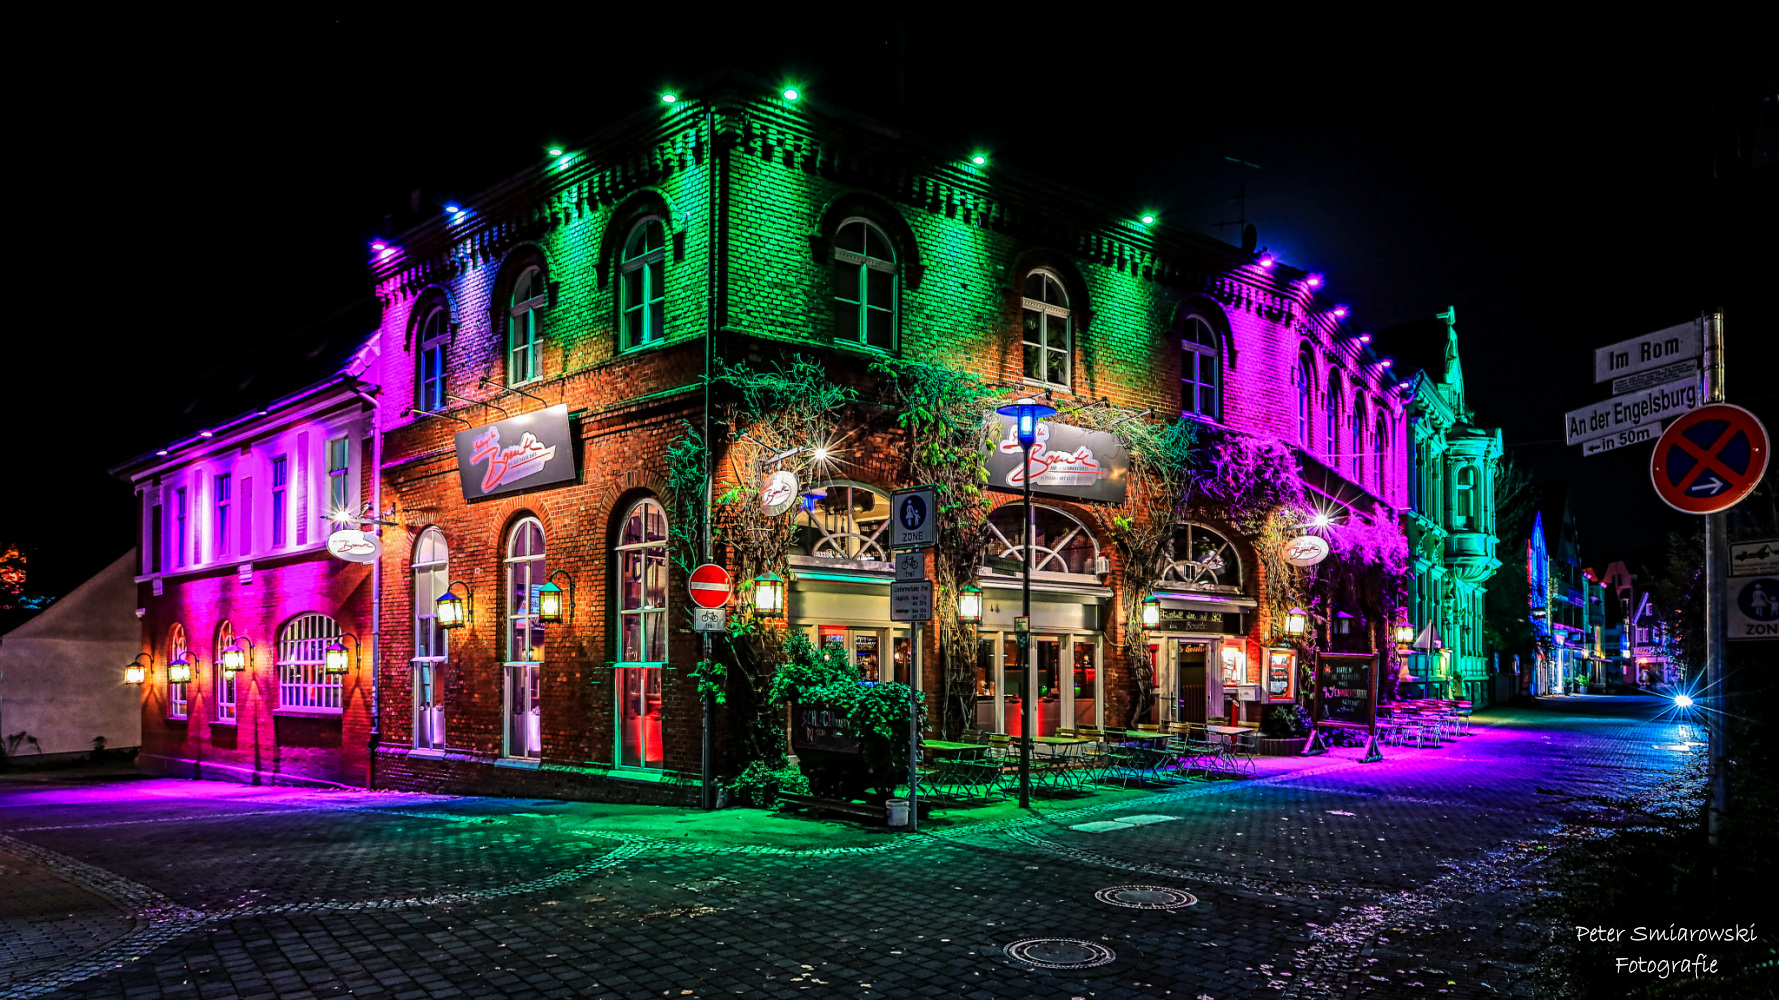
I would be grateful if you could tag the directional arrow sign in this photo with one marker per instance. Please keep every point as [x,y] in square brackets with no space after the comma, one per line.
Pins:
[1709,459]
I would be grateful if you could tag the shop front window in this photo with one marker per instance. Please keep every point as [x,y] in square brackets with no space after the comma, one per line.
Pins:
[642,627]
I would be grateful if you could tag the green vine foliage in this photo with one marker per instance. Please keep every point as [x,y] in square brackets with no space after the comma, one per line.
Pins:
[879,712]
[945,414]
[688,460]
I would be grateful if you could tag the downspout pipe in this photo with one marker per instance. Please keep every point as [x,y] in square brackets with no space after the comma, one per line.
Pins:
[370,774]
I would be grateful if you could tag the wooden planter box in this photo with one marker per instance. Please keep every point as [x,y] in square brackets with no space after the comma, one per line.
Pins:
[1285,747]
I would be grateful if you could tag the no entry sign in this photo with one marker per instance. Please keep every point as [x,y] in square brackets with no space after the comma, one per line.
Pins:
[709,586]
[1709,459]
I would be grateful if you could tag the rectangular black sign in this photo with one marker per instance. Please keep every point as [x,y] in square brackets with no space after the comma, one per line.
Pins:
[1066,462]
[1345,686]
[517,453]
[1191,620]
[817,726]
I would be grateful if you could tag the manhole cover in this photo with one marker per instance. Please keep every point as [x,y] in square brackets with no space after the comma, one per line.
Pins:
[1060,953]
[1146,897]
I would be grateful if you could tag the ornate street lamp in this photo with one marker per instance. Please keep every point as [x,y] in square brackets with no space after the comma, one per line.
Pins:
[1296,621]
[1151,611]
[969,604]
[549,598]
[135,672]
[336,654]
[237,656]
[179,668]
[450,610]
[769,596]
[1026,413]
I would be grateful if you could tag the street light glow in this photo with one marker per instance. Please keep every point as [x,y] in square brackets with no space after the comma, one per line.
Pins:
[1683,701]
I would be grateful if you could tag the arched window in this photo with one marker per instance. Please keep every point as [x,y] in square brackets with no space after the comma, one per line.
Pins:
[429,351]
[1201,559]
[1305,387]
[303,680]
[842,520]
[1380,450]
[432,574]
[1060,544]
[526,574]
[642,584]
[224,708]
[1047,330]
[865,293]
[529,295]
[642,296]
[1332,440]
[1198,368]
[642,629]
[177,704]
[1358,424]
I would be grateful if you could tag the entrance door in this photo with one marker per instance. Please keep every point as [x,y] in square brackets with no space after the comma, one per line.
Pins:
[1181,678]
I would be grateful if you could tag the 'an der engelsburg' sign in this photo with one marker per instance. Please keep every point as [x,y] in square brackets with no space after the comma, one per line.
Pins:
[1634,409]
[517,453]
[1066,462]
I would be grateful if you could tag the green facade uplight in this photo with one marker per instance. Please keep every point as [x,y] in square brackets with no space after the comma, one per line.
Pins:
[979,160]
[1148,220]
[791,94]
[669,97]
[555,150]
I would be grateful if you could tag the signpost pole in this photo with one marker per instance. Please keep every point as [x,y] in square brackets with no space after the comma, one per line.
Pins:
[1716,569]
[915,631]
[1028,709]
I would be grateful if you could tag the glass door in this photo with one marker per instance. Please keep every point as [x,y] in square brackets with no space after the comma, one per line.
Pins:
[639,717]
[988,685]
[1084,692]
[523,722]
[429,715]
[1190,660]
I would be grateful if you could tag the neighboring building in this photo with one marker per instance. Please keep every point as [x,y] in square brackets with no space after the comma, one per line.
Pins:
[62,672]
[234,523]
[546,343]
[1451,509]
[1645,643]
[1562,609]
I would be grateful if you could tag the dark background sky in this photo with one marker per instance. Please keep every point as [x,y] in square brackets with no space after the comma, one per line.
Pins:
[195,192]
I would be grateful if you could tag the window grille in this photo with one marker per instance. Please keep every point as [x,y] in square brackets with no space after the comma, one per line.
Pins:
[1060,544]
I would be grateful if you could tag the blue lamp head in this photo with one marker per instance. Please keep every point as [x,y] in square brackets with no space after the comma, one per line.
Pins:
[1027,413]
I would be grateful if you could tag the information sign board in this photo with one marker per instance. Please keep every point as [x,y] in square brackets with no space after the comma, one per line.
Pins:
[819,726]
[1752,558]
[911,565]
[710,619]
[911,601]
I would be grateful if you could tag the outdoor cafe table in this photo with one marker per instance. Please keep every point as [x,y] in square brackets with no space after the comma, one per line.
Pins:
[1225,735]
[1152,758]
[944,750]
[1058,748]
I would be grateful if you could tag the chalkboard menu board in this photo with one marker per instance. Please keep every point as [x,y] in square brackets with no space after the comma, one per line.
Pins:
[1344,689]
[817,726]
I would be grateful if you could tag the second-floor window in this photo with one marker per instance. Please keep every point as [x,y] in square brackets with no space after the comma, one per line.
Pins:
[1332,439]
[529,296]
[865,288]
[1357,421]
[337,493]
[1380,435]
[179,526]
[429,381]
[224,493]
[280,498]
[642,296]
[1198,368]
[1046,330]
[1464,498]
[1305,383]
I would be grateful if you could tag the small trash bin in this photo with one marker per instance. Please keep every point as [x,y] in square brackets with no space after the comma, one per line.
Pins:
[898,812]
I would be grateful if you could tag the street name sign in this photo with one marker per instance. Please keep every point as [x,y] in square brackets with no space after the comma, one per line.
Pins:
[709,586]
[1755,558]
[912,516]
[1709,459]
[1621,413]
[911,601]
[1753,607]
[710,619]
[1656,376]
[1652,350]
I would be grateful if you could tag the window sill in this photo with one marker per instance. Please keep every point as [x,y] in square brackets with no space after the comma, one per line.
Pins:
[180,719]
[653,345]
[429,753]
[645,775]
[306,713]
[854,347]
[522,763]
[225,723]
[1050,387]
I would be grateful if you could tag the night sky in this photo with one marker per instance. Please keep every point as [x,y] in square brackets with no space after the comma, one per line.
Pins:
[197,193]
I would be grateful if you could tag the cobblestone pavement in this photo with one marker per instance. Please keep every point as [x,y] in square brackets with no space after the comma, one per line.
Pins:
[1316,877]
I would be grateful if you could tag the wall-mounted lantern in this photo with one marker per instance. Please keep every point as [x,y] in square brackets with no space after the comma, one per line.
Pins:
[1151,611]
[1343,623]
[453,611]
[1405,632]
[769,596]
[179,668]
[1296,621]
[237,656]
[969,604]
[336,654]
[549,598]
[135,672]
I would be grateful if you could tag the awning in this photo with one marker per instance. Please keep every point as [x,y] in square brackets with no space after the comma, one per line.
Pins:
[1429,639]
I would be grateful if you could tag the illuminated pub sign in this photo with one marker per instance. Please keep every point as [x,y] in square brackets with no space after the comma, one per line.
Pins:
[517,453]
[1194,620]
[1066,462]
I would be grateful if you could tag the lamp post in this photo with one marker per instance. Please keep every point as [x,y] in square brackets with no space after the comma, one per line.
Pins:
[1026,413]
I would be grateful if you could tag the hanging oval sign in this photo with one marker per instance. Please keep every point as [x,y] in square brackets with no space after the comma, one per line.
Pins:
[353,545]
[1305,550]
[778,492]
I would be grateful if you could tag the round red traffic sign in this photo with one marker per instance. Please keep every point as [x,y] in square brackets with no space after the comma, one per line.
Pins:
[709,586]
[1709,459]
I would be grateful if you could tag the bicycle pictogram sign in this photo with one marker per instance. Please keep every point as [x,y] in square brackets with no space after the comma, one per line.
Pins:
[1709,459]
